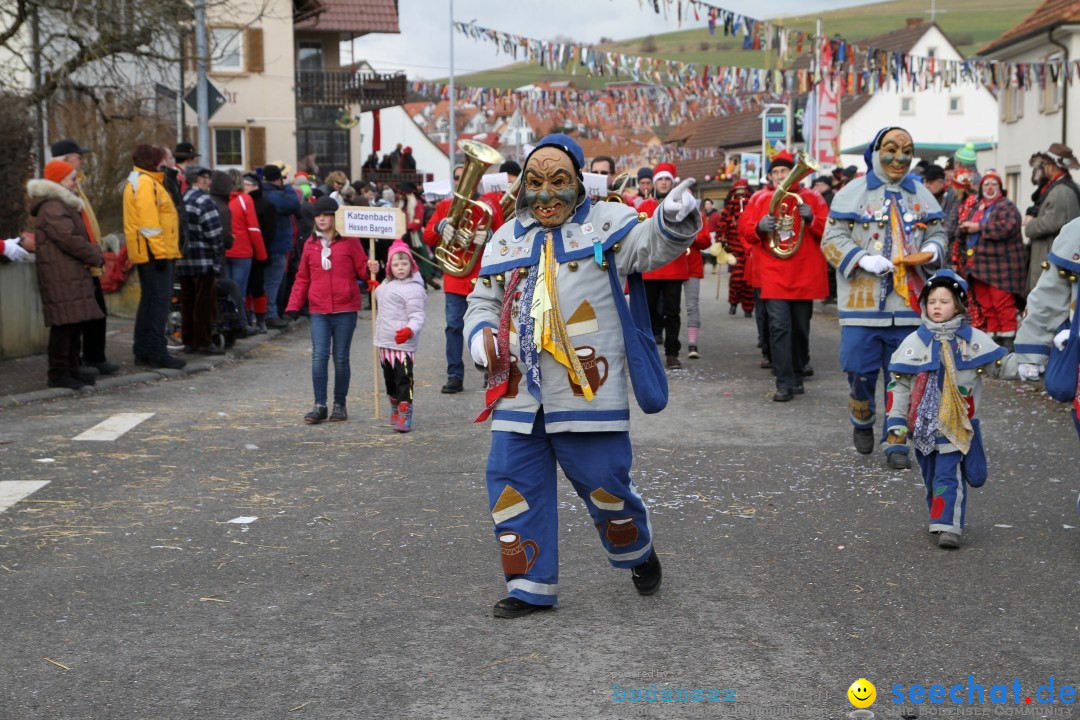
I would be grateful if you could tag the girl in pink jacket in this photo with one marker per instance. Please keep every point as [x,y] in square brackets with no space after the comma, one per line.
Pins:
[400,303]
[330,265]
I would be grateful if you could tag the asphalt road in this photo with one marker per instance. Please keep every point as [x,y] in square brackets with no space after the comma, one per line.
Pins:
[792,565]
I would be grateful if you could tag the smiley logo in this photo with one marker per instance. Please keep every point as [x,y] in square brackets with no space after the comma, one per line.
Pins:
[862,693]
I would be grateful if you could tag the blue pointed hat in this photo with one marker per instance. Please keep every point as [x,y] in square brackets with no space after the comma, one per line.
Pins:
[565,143]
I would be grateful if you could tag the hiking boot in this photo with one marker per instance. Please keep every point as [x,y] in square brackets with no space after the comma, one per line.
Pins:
[453,385]
[948,540]
[339,414]
[693,354]
[864,440]
[511,607]
[317,415]
[105,367]
[898,460]
[673,362]
[647,575]
[67,382]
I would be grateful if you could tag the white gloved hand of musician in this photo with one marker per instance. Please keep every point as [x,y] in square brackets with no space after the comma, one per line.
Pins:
[1060,338]
[680,202]
[931,248]
[446,231]
[1029,371]
[476,349]
[876,264]
[13,251]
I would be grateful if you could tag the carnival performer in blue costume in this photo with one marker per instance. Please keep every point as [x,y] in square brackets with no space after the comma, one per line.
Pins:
[884,231]
[549,320]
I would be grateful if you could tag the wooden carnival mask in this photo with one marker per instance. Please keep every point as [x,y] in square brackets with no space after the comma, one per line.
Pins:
[895,154]
[551,186]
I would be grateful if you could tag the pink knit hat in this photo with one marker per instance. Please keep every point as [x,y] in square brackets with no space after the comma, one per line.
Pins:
[400,247]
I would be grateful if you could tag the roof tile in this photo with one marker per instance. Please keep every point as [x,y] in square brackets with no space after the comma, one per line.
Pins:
[355,16]
[1050,13]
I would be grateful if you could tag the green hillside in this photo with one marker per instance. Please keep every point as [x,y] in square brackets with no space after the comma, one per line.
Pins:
[969,23]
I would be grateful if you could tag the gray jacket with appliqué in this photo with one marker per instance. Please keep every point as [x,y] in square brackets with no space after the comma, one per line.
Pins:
[639,244]
[1052,302]
[857,225]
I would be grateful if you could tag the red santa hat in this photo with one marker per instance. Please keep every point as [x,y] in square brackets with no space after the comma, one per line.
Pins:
[664,170]
[992,175]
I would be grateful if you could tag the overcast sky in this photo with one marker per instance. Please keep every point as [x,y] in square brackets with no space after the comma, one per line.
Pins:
[422,49]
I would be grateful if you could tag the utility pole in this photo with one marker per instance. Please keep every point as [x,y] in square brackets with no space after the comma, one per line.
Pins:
[202,96]
[453,131]
[817,96]
[35,40]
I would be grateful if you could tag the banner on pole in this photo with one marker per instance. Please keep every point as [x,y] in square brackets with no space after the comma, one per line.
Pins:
[370,222]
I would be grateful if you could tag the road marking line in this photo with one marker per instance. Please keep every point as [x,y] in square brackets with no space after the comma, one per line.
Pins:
[114,427]
[12,491]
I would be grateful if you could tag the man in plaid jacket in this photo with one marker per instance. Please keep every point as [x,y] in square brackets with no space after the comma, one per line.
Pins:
[199,268]
[989,253]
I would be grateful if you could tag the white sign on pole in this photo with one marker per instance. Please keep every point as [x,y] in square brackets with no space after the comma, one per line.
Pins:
[595,185]
[495,182]
[370,222]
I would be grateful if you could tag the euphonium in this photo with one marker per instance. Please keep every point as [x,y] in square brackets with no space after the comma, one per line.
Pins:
[618,188]
[783,242]
[458,256]
[508,202]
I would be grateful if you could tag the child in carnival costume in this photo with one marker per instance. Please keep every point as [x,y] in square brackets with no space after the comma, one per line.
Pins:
[934,399]
[884,231]
[544,318]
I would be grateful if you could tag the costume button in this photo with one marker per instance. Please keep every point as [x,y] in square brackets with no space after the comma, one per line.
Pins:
[641,217]
[604,265]
[970,252]
[1045,265]
[1062,273]
[616,247]
[523,271]
[473,282]
[487,281]
[572,265]
[832,221]
[500,278]
[1072,278]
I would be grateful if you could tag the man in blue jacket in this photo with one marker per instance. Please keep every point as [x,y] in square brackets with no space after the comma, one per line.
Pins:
[278,247]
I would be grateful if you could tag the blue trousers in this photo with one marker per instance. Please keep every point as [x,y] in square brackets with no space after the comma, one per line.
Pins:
[335,328]
[239,270]
[523,497]
[946,490]
[456,305]
[864,354]
[275,276]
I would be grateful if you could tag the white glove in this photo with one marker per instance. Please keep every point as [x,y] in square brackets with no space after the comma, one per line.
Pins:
[1060,338]
[446,231]
[476,349]
[1029,371]
[931,248]
[876,264]
[680,202]
[13,251]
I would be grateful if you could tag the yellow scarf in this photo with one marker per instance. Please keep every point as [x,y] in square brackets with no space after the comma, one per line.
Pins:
[953,420]
[900,284]
[550,329]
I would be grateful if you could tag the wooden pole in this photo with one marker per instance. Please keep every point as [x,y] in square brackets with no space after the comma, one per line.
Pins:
[374,348]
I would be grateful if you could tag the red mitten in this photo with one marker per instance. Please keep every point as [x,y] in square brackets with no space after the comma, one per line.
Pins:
[403,335]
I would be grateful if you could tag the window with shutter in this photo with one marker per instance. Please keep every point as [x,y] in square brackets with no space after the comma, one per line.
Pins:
[256,145]
[254,40]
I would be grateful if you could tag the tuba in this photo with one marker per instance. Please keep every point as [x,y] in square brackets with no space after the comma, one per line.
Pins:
[617,190]
[783,242]
[458,256]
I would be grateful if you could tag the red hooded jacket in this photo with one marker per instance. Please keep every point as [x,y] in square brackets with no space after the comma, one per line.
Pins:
[247,237]
[334,290]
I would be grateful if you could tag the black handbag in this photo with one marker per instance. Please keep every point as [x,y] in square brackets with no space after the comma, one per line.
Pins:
[643,361]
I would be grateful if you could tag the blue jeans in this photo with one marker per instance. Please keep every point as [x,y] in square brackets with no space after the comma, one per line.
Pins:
[336,327]
[156,285]
[275,276]
[455,339]
[239,270]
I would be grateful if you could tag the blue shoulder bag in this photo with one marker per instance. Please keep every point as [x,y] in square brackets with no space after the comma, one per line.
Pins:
[642,358]
[1061,368]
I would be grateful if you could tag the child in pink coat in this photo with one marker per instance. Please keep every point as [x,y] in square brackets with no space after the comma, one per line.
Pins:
[399,305]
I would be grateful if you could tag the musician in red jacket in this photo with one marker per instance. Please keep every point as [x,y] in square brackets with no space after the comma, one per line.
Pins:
[790,285]
[457,289]
[663,287]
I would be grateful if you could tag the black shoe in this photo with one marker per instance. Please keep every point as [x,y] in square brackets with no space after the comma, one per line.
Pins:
[799,389]
[647,575]
[808,372]
[732,309]
[277,323]
[453,385]
[67,382]
[105,367]
[693,354]
[511,607]
[316,416]
[898,460]
[85,376]
[766,364]
[864,440]
[339,414]
[948,540]
[783,394]
[210,350]
[673,362]
[748,313]
[166,361]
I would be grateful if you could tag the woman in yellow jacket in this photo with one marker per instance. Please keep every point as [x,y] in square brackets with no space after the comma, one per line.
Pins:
[152,231]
